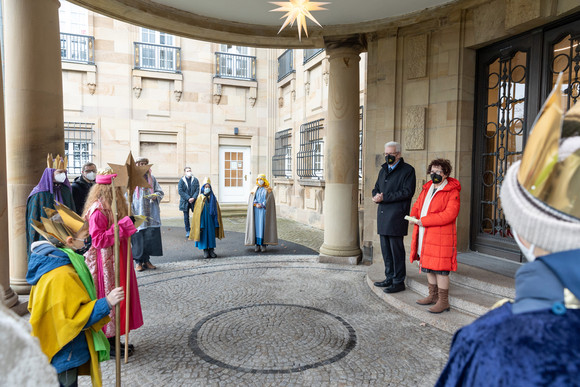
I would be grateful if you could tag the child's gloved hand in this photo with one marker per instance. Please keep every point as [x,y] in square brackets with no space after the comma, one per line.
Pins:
[115,296]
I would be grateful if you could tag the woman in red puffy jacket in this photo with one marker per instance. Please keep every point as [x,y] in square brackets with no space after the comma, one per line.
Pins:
[435,234]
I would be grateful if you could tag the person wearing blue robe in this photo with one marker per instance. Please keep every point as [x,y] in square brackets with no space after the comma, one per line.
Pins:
[206,221]
[261,226]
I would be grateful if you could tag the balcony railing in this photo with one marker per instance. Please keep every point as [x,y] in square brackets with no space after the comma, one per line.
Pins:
[285,64]
[235,66]
[156,57]
[77,48]
[311,53]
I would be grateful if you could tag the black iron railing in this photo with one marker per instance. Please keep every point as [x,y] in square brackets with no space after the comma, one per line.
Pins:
[282,160]
[77,48]
[310,158]
[310,53]
[157,57]
[285,64]
[235,66]
[78,145]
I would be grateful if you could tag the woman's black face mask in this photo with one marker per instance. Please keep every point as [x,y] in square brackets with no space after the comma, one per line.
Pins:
[436,179]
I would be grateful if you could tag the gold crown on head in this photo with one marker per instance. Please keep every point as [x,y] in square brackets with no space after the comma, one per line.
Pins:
[56,163]
[550,167]
[61,223]
[105,171]
[207,180]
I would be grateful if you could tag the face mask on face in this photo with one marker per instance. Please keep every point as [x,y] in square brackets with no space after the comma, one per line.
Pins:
[60,177]
[390,159]
[206,190]
[88,243]
[527,252]
[260,182]
[91,176]
[188,174]
[436,179]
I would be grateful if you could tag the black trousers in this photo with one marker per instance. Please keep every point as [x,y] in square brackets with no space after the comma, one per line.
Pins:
[393,251]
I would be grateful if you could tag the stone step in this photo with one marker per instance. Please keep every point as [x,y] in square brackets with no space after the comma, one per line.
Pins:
[467,294]
[405,302]
[233,209]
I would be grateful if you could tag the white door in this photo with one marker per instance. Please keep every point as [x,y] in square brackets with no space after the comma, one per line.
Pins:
[234,174]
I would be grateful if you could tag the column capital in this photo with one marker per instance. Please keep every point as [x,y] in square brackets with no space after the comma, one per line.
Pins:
[355,43]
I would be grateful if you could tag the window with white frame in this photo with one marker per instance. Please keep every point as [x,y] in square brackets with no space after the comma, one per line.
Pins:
[73,19]
[235,62]
[75,43]
[78,145]
[156,51]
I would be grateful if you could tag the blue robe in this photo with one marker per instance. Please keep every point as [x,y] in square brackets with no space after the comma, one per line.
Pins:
[533,342]
[208,225]
[260,214]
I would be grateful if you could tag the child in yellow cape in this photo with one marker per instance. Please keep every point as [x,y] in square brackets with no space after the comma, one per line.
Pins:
[65,313]
[206,221]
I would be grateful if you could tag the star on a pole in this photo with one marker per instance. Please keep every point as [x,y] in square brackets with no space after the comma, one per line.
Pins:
[130,175]
[298,10]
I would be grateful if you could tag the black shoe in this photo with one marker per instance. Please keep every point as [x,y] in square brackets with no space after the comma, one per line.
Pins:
[384,284]
[395,288]
[212,254]
[206,253]
[131,350]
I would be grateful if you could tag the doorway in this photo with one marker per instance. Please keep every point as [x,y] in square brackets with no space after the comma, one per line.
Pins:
[234,176]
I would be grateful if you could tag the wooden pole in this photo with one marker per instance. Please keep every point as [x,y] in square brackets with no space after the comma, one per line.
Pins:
[117,284]
[128,291]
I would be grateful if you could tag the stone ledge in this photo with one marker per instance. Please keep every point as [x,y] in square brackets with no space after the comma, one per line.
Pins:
[355,260]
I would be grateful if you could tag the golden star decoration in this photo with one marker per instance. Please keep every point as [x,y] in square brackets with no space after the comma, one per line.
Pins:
[298,10]
[130,175]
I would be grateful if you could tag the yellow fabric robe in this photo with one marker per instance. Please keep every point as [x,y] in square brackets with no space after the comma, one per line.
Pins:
[196,219]
[59,308]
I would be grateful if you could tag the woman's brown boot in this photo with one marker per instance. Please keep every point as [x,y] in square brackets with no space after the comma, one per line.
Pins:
[442,304]
[431,298]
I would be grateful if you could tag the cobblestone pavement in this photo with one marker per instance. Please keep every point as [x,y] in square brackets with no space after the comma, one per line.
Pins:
[291,321]
[281,320]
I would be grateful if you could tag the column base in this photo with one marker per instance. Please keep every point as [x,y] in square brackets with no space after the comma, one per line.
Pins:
[10,297]
[342,256]
[20,287]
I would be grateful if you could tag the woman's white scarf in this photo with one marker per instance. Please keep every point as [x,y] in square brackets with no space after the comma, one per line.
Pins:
[425,209]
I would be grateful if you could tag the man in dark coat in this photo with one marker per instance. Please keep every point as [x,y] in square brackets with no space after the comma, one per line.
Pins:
[188,189]
[82,185]
[393,192]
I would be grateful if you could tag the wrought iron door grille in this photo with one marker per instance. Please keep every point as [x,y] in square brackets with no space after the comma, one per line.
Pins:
[565,57]
[502,136]
[282,160]
[78,145]
[310,158]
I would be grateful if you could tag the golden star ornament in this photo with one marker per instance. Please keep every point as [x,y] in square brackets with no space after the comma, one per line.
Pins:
[130,175]
[297,11]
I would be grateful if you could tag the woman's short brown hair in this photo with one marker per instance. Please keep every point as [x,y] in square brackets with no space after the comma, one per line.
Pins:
[444,164]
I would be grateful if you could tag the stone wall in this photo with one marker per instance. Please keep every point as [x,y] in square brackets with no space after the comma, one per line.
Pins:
[175,119]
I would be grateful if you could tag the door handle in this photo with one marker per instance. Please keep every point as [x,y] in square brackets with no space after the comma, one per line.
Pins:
[245,177]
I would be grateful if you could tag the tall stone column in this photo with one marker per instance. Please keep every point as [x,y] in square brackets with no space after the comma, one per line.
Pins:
[34,112]
[341,233]
[10,298]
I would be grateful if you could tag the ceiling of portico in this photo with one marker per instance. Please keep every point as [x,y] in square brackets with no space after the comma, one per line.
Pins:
[249,22]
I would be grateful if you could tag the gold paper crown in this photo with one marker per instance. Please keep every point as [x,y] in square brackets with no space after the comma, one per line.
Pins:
[207,180]
[61,223]
[105,171]
[57,163]
[548,171]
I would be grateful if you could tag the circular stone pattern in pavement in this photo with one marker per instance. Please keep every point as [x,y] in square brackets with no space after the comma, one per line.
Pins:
[272,338]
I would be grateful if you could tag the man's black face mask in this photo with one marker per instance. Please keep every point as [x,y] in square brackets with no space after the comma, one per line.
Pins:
[390,159]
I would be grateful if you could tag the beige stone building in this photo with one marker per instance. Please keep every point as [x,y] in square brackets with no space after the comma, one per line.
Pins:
[461,80]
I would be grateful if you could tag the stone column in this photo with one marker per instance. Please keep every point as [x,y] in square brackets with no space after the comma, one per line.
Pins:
[341,234]
[34,112]
[10,298]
